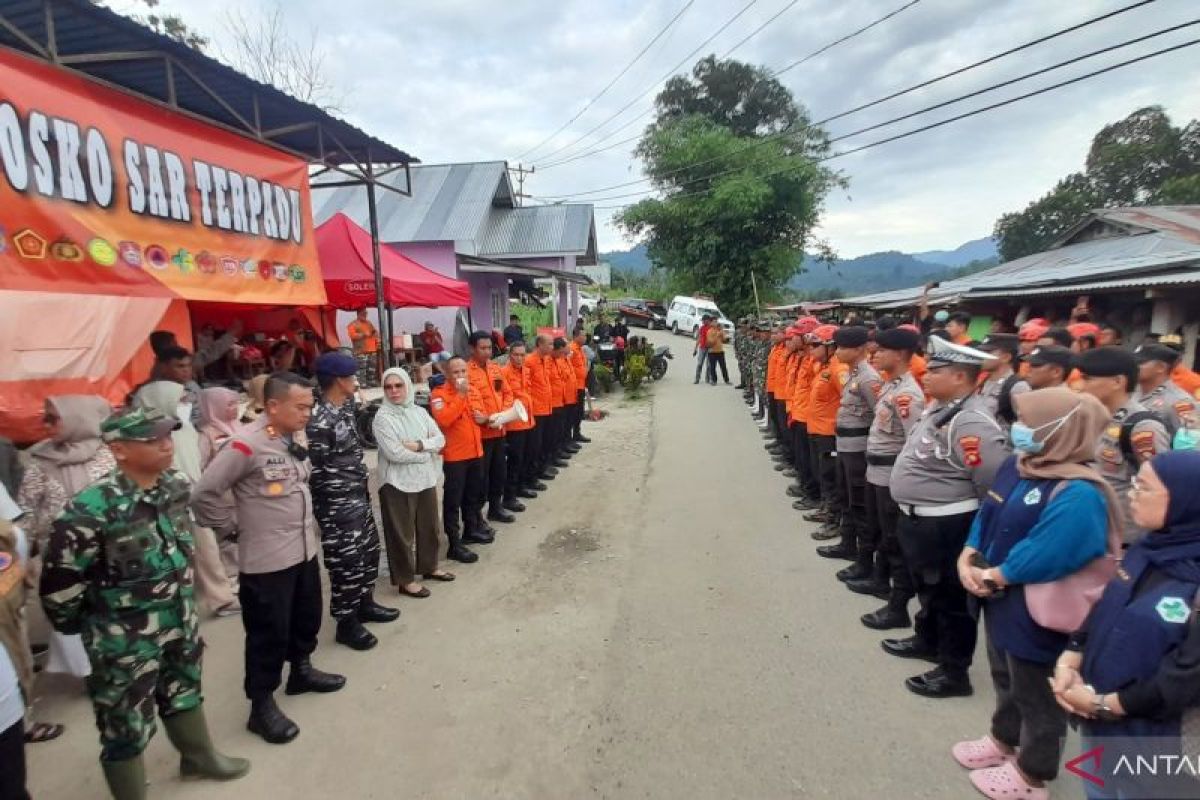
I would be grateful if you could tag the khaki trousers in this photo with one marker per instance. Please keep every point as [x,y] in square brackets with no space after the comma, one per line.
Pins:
[410,522]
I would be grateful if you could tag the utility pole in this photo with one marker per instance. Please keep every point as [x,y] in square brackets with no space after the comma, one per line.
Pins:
[521,172]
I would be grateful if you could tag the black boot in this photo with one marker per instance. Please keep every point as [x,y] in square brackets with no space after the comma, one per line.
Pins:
[887,618]
[820,515]
[351,633]
[461,554]
[579,437]
[500,515]
[855,572]
[512,504]
[537,486]
[270,723]
[478,537]
[869,585]
[838,550]
[526,494]
[307,678]
[370,611]
[830,530]
[547,474]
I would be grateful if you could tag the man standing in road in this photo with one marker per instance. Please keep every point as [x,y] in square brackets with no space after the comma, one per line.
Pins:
[349,538]
[947,465]
[364,339]
[700,349]
[716,353]
[580,366]
[489,395]
[519,437]
[267,470]
[462,461]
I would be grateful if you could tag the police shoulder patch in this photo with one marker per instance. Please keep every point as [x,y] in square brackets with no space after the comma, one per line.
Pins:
[1185,408]
[1143,444]
[970,449]
[241,447]
[904,405]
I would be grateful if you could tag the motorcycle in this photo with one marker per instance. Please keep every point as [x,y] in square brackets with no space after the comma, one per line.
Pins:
[658,362]
[364,421]
[606,351]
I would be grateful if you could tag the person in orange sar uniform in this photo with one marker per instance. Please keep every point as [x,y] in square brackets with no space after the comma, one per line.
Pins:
[1028,334]
[462,459]
[1182,377]
[580,365]
[828,381]
[518,434]
[781,449]
[538,365]
[489,396]
[562,376]
[776,364]
[807,489]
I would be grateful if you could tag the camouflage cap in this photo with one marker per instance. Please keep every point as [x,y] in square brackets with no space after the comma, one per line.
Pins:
[137,425]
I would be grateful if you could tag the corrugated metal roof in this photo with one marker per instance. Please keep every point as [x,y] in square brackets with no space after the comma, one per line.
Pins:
[538,230]
[1187,277]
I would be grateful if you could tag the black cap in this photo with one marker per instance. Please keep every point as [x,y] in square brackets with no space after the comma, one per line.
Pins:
[897,339]
[1004,342]
[851,336]
[1051,354]
[1156,352]
[1106,362]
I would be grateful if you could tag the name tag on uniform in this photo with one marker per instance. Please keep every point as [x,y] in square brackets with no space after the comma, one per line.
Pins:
[276,473]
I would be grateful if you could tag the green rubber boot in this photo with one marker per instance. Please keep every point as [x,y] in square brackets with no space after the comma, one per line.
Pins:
[126,779]
[188,731]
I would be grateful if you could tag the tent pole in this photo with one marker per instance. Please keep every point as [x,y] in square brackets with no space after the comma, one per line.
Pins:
[386,352]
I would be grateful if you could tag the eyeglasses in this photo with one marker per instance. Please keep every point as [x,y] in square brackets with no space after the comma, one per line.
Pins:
[1137,487]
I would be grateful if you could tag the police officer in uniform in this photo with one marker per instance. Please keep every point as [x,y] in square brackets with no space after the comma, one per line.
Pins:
[1048,366]
[118,571]
[349,538]
[1002,381]
[267,470]
[1157,392]
[946,467]
[1133,436]
[854,417]
[900,405]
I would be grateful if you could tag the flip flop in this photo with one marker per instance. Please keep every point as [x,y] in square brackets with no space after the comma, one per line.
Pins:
[444,577]
[43,732]
[422,593]
[979,753]
[1005,782]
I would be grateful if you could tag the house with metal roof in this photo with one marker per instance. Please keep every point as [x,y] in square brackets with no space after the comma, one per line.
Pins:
[463,221]
[1138,267]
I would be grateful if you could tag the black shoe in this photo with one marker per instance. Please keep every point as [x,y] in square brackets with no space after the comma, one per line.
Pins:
[514,505]
[370,611]
[559,463]
[548,474]
[478,537]
[912,647]
[797,492]
[526,494]
[501,516]
[870,586]
[820,515]
[887,618]
[537,486]
[826,532]
[571,448]
[790,472]
[579,437]
[938,683]
[462,555]
[836,551]
[351,633]
[781,464]
[854,572]
[305,677]
[270,723]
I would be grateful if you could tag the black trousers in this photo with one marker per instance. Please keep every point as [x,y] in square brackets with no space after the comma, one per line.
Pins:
[577,414]
[783,436]
[457,500]
[802,451]
[931,547]
[537,446]
[717,360]
[12,759]
[823,456]
[493,474]
[853,466]
[281,613]
[1026,714]
[889,558]
[516,449]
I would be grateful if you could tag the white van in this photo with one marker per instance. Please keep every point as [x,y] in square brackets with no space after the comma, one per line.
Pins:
[684,313]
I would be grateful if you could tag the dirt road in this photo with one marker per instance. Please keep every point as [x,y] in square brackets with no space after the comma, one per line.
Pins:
[657,625]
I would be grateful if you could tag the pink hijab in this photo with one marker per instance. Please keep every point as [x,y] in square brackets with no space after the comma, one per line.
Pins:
[216,418]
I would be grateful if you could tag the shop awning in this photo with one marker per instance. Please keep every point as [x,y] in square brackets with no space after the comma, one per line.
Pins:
[347,266]
[490,266]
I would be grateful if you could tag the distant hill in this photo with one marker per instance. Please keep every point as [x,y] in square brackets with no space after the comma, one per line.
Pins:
[976,250]
[635,260]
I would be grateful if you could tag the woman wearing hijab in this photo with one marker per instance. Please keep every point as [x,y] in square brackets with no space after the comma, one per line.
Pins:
[1048,515]
[1133,669]
[409,442]
[61,466]
[212,584]
[218,424]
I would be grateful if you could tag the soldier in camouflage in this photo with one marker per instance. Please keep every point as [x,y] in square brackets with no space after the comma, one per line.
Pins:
[741,341]
[118,571]
[760,353]
[342,504]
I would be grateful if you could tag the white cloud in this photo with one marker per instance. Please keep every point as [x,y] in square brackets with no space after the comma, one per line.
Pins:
[462,80]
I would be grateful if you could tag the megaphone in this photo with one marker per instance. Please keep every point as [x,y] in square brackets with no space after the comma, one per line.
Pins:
[514,414]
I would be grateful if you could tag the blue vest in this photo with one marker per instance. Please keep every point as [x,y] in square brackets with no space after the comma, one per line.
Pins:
[1003,524]
[1129,632]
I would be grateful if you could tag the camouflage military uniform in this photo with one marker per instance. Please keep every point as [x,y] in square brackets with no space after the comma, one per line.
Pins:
[342,506]
[118,571]
[758,360]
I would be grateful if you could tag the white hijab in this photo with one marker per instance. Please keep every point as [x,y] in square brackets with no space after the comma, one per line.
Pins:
[407,419]
[165,396]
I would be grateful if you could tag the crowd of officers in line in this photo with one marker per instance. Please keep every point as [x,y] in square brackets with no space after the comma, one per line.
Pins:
[119,560]
[893,438]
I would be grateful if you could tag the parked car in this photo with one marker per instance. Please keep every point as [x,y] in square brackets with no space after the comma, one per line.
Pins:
[643,313]
[684,313]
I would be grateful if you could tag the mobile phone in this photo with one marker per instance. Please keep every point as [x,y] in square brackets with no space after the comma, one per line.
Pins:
[979,562]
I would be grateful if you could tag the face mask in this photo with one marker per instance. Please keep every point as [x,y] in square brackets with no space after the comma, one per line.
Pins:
[1186,439]
[1023,437]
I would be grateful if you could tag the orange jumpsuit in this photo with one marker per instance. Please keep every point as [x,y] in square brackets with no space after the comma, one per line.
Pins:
[557,389]
[802,395]
[775,365]
[489,394]
[519,381]
[452,412]
[538,384]
[827,386]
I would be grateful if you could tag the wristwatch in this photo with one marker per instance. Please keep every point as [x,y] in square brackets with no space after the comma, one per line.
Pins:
[1100,708]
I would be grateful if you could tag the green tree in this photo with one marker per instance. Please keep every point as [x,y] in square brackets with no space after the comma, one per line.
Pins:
[734,204]
[1140,159]
[171,25]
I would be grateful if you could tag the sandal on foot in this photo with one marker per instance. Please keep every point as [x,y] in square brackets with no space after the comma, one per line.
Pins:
[445,577]
[1006,782]
[43,732]
[422,592]
[979,753]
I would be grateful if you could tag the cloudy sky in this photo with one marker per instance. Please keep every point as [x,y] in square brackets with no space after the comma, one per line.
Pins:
[467,80]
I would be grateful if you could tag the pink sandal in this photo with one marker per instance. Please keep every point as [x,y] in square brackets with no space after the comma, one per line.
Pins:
[1005,782]
[980,753]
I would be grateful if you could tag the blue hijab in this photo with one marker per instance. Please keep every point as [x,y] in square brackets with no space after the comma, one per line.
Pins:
[1175,548]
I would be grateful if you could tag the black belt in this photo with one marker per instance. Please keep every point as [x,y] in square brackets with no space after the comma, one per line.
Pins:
[851,432]
[880,461]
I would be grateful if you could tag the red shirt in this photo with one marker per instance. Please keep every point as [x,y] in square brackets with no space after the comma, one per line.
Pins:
[702,336]
[431,341]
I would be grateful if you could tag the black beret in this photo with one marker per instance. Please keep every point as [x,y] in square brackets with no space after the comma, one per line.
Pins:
[1050,354]
[1006,342]
[851,336]
[1156,352]
[1106,362]
[897,339]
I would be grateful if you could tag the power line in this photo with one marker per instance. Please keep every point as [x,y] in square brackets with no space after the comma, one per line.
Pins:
[767,139]
[645,113]
[930,126]
[760,28]
[611,83]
